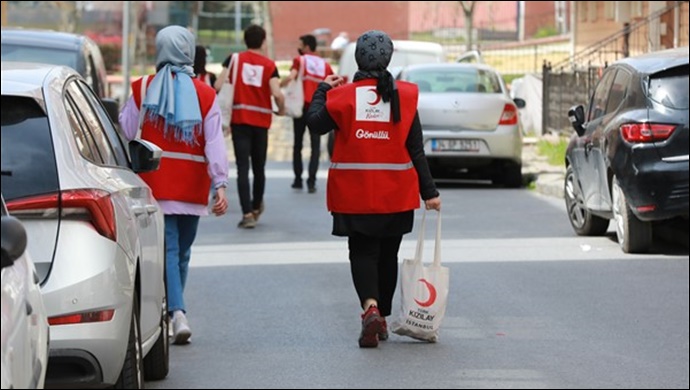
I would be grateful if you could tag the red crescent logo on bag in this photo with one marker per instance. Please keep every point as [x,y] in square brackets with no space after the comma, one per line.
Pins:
[432,294]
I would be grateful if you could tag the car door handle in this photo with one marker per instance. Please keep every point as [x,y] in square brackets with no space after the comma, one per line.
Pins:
[139,210]
[29,309]
[589,146]
[151,209]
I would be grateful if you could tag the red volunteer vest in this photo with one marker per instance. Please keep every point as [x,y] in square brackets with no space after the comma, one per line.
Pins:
[252,100]
[371,170]
[181,163]
[315,71]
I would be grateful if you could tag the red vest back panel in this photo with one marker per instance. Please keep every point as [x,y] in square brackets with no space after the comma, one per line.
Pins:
[371,169]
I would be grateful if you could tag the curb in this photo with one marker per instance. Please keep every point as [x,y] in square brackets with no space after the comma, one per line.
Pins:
[550,184]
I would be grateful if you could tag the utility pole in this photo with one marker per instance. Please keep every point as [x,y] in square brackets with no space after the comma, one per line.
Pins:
[126,27]
[268,26]
[238,22]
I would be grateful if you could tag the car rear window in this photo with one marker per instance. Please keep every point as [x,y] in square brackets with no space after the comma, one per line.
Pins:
[453,80]
[670,88]
[27,156]
[44,55]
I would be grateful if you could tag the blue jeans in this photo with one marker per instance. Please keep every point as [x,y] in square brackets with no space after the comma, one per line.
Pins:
[180,232]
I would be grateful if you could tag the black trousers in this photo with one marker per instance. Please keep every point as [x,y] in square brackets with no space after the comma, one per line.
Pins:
[250,143]
[299,126]
[374,267]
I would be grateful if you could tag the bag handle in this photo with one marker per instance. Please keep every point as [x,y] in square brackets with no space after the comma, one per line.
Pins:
[142,95]
[302,70]
[437,245]
[420,241]
[234,60]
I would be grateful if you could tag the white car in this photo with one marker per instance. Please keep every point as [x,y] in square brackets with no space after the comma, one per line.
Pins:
[470,124]
[24,320]
[97,233]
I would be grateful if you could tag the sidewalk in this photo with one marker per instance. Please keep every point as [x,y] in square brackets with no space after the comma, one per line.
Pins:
[548,179]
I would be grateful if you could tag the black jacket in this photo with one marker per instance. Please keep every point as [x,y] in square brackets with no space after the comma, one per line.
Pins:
[375,225]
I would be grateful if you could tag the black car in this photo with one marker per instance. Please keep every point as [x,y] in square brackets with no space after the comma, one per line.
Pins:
[78,52]
[628,160]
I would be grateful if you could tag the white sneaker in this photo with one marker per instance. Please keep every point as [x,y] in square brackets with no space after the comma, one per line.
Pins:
[181,331]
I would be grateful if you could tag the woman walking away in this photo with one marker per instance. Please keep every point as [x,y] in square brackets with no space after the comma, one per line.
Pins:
[377,174]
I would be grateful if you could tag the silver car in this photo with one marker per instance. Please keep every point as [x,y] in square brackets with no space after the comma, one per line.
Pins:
[96,231]
[24,320]
[470,124]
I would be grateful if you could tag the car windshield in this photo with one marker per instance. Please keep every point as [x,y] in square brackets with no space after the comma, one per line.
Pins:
[44,55]
[670,88]
[454,80]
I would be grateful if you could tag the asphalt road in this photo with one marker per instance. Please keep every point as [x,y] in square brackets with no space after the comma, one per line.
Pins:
[531,304]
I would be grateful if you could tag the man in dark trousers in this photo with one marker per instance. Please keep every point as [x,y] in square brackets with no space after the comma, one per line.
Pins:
[311,70]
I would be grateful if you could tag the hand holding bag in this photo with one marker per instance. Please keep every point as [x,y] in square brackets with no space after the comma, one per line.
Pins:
[424,292]
[294,94]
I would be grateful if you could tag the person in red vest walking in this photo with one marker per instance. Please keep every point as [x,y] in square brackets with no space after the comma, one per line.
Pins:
[378,172]
[209,78]
[179,113]
[312,69]
[252,112]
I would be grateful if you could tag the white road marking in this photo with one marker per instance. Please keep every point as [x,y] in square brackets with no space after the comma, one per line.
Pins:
[452,251]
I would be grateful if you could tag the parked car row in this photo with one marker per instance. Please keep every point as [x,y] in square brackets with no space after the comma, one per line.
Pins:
[94,231]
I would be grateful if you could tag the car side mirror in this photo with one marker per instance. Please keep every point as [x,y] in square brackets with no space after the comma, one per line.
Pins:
[144,155]
[576,115]
[520,103]
[13,240]
[112,108]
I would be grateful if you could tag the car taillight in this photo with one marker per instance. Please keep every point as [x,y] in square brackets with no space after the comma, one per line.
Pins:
[646,132]
[509,115]
[90,204]
[83,318]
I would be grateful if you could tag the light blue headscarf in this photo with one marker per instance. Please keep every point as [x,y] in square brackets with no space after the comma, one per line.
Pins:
[174,98]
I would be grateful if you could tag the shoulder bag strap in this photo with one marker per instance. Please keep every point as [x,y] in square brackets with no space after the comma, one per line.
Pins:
[142,95]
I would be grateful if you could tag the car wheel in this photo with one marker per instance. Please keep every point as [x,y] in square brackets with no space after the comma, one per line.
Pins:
[132,374]
[582,220]
[634,236]
[156,363]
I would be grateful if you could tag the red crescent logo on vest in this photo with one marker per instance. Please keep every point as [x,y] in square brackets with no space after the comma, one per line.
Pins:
[252,73]
[377,98]
[432,294]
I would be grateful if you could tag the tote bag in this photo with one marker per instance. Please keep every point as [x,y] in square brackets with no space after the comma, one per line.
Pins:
[294,94]
[424,291]
[226,95]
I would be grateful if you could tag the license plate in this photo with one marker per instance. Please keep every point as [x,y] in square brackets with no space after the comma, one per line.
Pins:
[455,145]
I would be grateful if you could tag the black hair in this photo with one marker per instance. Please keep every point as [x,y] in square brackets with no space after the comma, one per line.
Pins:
[254,36]
[309,40]
[200,60]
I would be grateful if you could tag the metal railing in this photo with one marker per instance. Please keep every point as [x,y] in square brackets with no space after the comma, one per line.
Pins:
[572,81]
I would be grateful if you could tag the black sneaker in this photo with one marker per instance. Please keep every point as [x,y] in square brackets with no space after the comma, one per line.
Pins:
[312,189]
[297,184]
